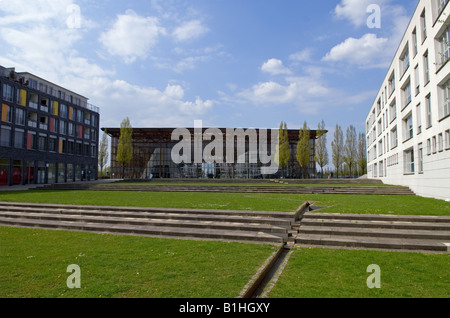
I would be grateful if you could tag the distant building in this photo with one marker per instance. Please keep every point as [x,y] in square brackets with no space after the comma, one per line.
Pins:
[152,155]
[48,134]
[408,126]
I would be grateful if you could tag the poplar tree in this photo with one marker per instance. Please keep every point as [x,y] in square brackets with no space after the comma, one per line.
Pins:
[362,154]
[321,156]
[337,147]
[103,155]
[303,148]
[350,148]
[283,153]
[125,148]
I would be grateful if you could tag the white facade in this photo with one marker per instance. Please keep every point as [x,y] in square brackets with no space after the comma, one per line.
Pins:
[408,126]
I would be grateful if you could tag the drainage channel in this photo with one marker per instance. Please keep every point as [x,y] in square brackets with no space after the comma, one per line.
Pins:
[270,279]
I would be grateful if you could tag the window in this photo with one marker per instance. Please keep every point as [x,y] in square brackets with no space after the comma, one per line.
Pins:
[409,161]
[31,141]
[419,118]
[5,136]
[42,142]
[445,46]
[428,147]
[445,110]
[420,158]
[433,144]
[52,144]
[417,79]
[440,142]
[404,61]
[447,139]
[408,127]
[423,24]
[428,111]
[393,111]
[391,84]
[394,137]
[414,42]
[63,111]
[19,139]
[8,93]
[426,68]
[20,117]
[406,94]
[63,127]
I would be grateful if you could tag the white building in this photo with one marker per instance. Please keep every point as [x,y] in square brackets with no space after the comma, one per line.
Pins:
[408,126]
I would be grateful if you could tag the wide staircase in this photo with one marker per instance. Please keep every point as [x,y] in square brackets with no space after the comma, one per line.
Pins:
[242,226]
[390,232]
[266,188]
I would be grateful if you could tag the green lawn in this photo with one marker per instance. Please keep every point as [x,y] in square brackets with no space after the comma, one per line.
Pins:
[339,273]
[33,263]
[345,203]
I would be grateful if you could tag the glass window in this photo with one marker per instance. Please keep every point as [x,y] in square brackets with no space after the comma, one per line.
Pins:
[8,93]
[409,161]
[19,139]
[5,136]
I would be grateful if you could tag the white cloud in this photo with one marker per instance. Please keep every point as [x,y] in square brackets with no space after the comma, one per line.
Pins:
[132,36]
[275,67]
[355,10]
[189,30]
[367,51]
[302,56]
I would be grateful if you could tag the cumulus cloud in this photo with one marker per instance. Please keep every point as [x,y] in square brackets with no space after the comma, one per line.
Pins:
[189,30]
[275,67]
[132,36]
[355,11]
[370,50]
[367,51]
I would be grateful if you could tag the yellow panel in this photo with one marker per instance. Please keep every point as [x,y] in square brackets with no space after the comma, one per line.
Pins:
[70,113]
[23,97]
[60,146]
[4,112]
[55,108]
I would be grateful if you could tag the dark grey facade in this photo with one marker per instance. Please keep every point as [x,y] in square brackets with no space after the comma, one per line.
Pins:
[48,134]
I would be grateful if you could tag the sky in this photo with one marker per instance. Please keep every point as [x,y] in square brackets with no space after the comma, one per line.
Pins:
[229,63]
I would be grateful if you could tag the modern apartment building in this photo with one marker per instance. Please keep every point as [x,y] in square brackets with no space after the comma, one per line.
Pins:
[408,126]
[48,134]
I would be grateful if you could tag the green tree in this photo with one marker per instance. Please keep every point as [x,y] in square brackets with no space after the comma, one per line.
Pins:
[125,148]
[337,147]
[321,156]
[362,154]
[103,154]
[283,153]
[304,149]
[351,149]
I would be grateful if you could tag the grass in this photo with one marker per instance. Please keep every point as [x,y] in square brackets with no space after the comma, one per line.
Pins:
[329,273]
[251,184]
[342,203]
[33,264]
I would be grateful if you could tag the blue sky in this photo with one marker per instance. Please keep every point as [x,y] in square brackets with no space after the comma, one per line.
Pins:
[229,63]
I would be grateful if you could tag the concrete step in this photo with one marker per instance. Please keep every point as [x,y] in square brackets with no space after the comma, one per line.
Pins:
[153,231]
[329,189]
[247,226]
[172,222]
[370,232]
[371,243]
[395,232]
